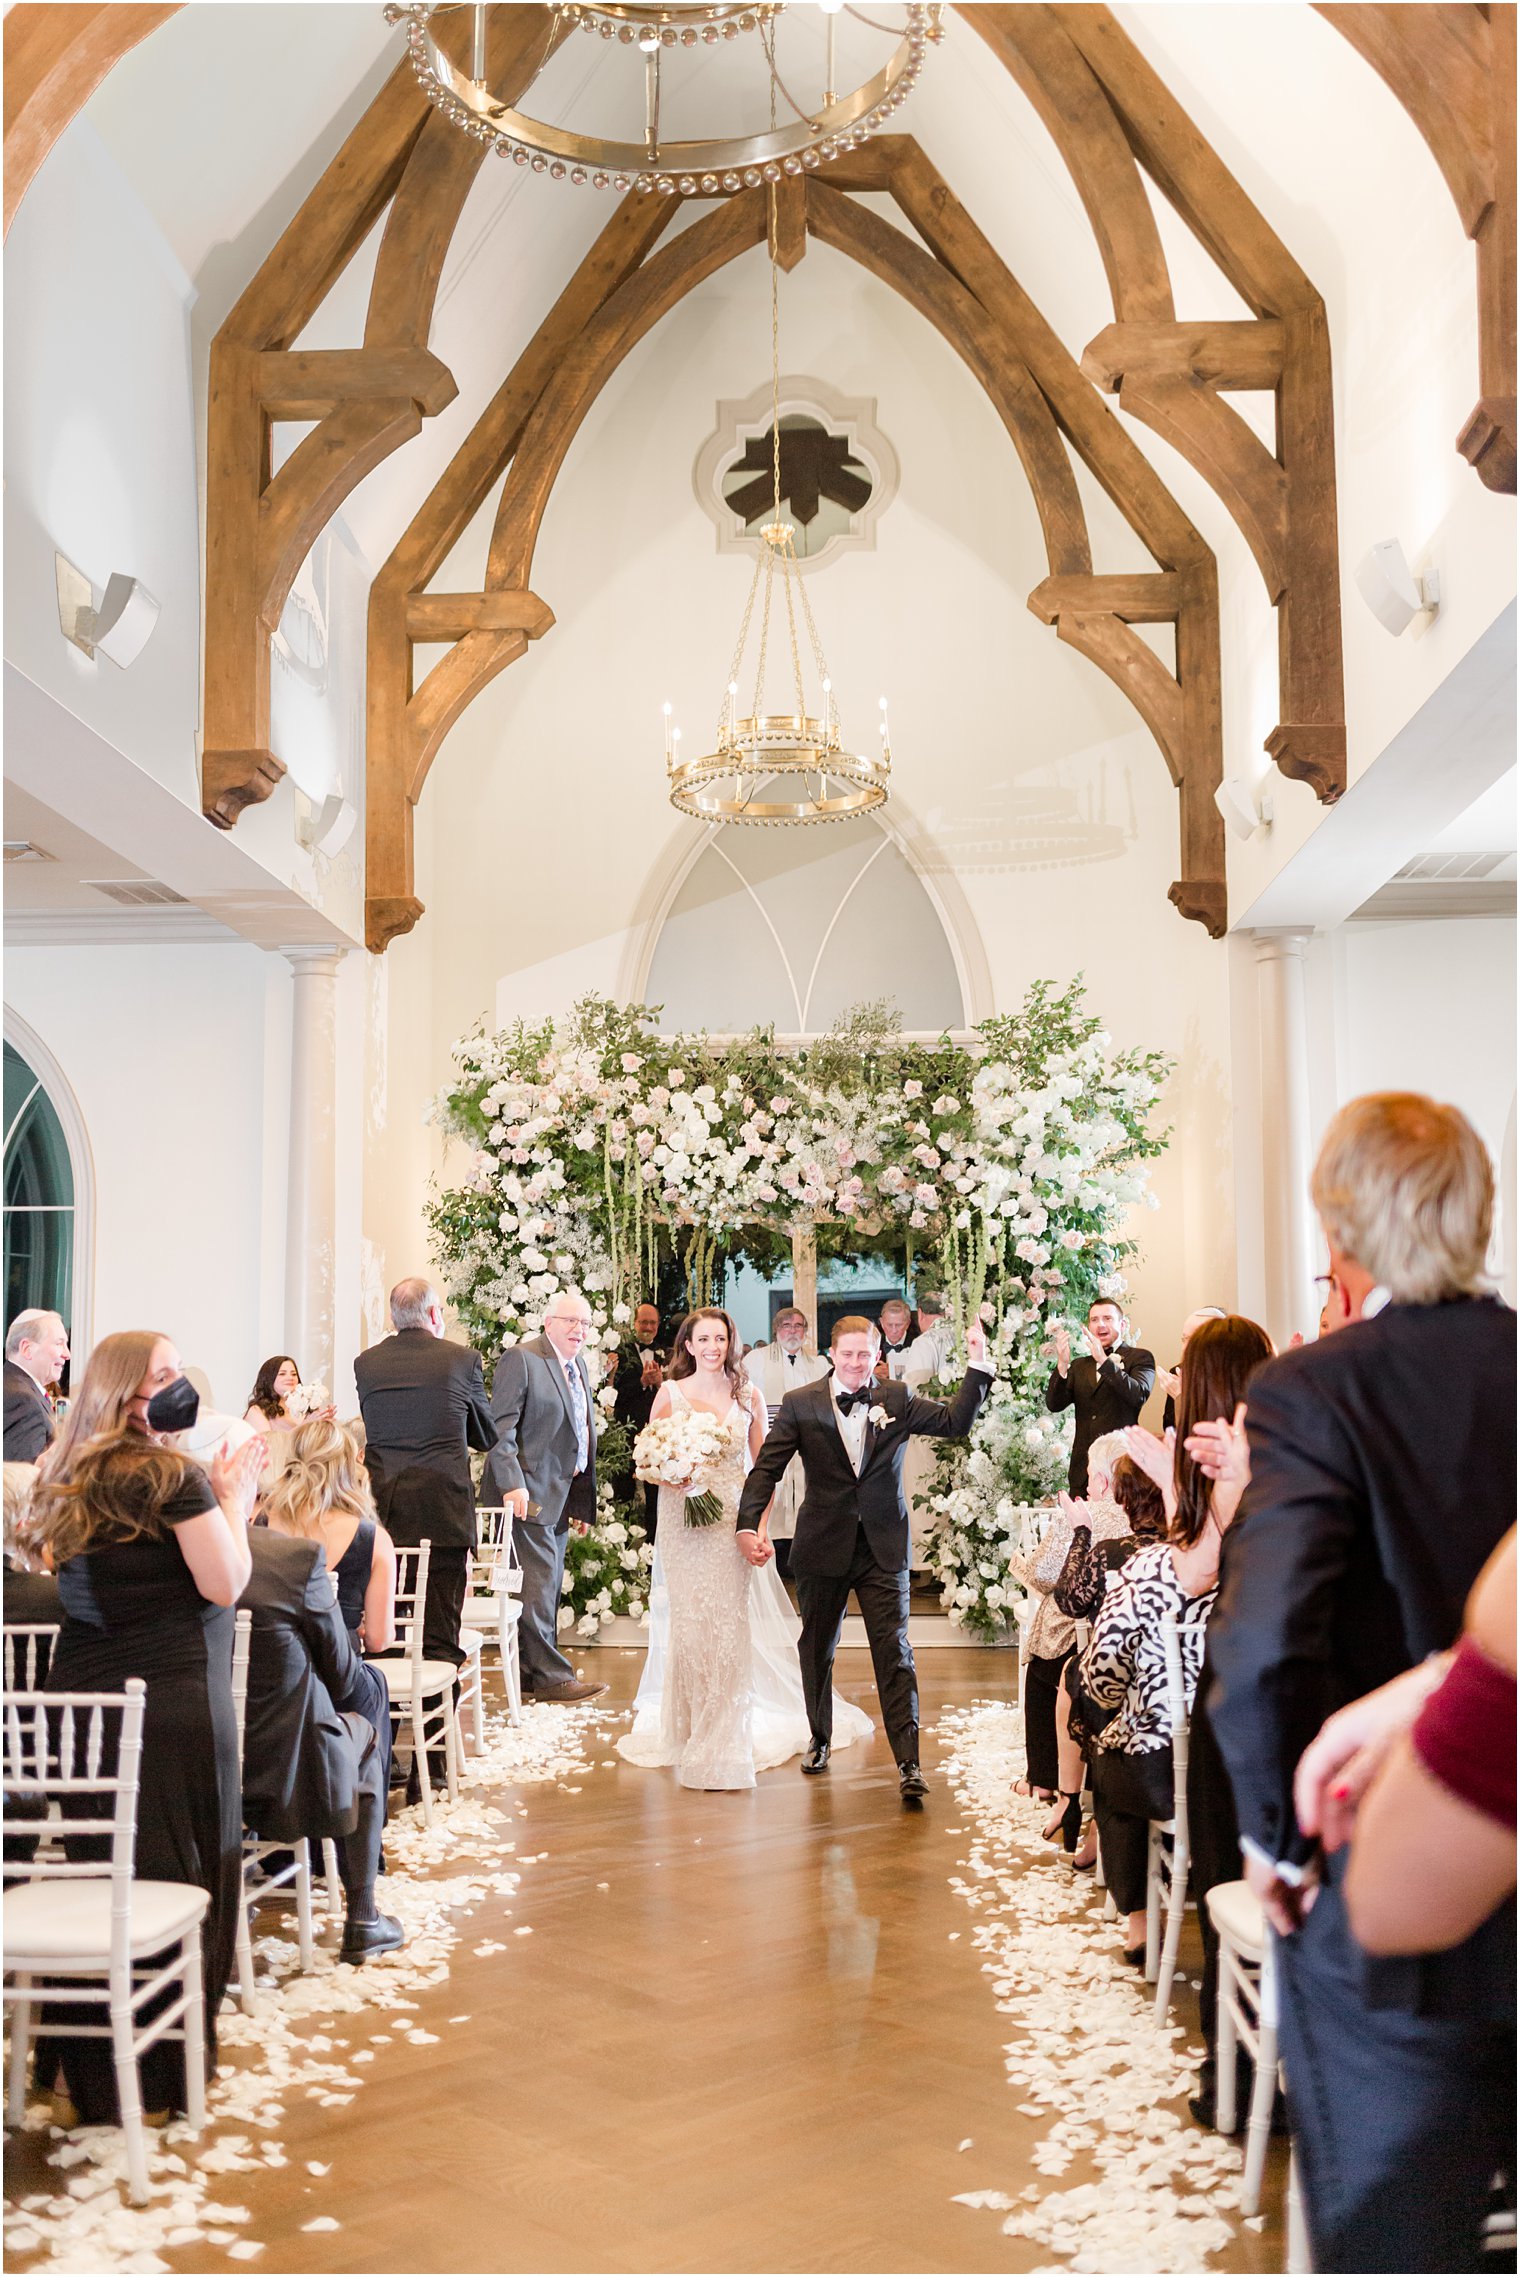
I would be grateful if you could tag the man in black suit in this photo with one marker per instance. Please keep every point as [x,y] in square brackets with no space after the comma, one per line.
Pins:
[423,1401]
[312,1763]
[640,1373]
[1382,1475]
[852,1525]
[36,1354]
[1108,1386]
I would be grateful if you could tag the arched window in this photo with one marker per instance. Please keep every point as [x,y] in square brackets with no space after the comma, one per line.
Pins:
[44,1249]
[791,927]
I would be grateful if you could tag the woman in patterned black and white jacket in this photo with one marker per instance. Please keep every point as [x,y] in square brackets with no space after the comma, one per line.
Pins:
[1124,1666]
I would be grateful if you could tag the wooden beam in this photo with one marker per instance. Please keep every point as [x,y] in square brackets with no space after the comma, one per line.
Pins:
[1138,598]
[1222,354]
[55,58]
[1453,69]
[449,616]
[313,383]
[791,223]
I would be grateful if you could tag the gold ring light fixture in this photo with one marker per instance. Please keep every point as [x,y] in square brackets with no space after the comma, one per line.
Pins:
[810,120]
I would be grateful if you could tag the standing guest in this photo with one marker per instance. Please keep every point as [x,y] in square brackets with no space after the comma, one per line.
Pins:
[1382,1476]
[895,1320]
[423,1401]
[1108,1386]
[1169,1379]
[313,1763]
[1051,1637]
[36,1354]
[323,1496]
[932,1351]
[639,1374]
[776,1368]
[544,1469]
[151,1555]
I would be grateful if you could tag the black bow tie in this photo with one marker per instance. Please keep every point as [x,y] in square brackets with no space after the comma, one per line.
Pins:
[844,1400]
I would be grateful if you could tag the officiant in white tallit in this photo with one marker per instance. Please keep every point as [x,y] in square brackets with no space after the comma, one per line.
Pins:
[928,1362]
[784,1365]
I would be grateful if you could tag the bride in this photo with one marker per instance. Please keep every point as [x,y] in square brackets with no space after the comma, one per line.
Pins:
[721,1696]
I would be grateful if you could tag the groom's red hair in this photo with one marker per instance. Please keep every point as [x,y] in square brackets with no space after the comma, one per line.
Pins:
[853,1324]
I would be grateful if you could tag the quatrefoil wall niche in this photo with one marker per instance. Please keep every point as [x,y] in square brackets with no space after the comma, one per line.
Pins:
[842,437]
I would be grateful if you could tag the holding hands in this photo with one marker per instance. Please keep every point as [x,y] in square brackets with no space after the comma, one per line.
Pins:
[754,1546]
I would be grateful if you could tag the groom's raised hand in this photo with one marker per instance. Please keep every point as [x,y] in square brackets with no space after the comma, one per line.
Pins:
[976,1344]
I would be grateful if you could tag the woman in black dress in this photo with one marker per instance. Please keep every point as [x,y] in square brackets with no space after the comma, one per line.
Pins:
[323,1495]
[151,1556]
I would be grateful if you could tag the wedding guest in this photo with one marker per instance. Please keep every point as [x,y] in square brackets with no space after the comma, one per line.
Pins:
[932,1351]
[313,1763]
[31,1596]
[1140,1499]
[151,1555]
[1051,1637]
[423,1401]
[1123,1670]
[929,1359]
[36,1354]
[1168,1379]
[1107,1386]
[895,1320]
[272,1386]
[1382,1464]
[639,1374]
[544,1468]
[323,1496]
[784,1365]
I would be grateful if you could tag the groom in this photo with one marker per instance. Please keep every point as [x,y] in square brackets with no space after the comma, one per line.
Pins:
[852,1528]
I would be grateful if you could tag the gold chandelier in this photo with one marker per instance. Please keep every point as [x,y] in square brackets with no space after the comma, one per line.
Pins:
[811,135]
[782,766]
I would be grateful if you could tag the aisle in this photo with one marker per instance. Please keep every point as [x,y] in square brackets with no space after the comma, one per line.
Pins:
[731,2033]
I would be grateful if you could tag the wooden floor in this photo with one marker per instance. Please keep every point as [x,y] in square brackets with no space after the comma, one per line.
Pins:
[748,2033]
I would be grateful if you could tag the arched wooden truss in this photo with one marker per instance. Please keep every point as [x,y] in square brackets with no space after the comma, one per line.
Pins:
[1111,115]
[1032,382]
[55,58]
[1453,69]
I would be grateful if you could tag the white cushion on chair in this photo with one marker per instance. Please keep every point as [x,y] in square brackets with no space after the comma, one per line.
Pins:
[437,1676]
[1236,1913]
[56,1925]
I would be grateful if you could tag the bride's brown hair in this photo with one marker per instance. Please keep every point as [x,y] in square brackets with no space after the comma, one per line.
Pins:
[683,1364]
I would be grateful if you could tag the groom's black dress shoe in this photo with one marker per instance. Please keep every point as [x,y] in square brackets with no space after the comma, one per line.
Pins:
[816,1758]
[912,1784]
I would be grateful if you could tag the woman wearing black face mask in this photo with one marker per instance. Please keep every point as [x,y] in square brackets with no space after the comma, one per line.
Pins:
[151,1557]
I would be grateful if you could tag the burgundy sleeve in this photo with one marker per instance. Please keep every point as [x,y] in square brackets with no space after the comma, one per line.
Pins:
[1465,1734]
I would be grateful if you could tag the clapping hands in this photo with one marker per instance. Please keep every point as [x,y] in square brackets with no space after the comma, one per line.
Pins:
[1062,1344]
[1219,1447]
[235,1476]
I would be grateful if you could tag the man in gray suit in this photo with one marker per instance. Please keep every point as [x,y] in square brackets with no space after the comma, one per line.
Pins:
[544,1469]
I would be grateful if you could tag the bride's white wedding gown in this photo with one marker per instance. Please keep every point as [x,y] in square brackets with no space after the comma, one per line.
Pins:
[721,1696]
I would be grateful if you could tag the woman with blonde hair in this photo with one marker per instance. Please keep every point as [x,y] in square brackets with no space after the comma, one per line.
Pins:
[151,1555]
[323,1495]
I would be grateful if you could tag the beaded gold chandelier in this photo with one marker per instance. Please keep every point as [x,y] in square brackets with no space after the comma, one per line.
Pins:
[447,45]
[778,766]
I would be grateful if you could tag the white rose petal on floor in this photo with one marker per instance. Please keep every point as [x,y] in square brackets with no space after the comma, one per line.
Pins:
[1087,2052]
[295,2043]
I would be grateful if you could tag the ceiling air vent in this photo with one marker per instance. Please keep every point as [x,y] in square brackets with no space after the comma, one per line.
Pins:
[134,893]
[23,850]
[1449,869]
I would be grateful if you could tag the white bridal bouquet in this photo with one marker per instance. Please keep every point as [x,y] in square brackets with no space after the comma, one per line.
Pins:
[680,1449]
[306,1400]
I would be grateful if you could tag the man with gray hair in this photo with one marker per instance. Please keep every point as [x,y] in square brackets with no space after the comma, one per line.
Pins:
[423,1401]
[36,1354]
[544,1469]
[1382,1476]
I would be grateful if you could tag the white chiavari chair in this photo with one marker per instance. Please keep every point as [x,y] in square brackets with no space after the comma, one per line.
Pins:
[421,1691]
[1166,1881]
[87,1927]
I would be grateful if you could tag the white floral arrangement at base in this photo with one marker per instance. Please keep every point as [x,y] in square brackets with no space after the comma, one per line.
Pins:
[682,1449]
[607,1572]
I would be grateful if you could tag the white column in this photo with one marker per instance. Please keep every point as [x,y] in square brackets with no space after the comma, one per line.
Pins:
[1288,1221]
[312,1212]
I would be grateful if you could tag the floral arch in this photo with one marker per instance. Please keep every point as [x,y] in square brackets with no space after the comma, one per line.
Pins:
[1002,1170]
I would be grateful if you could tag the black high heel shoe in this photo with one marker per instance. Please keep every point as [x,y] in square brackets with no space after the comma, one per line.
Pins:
[1068,1825]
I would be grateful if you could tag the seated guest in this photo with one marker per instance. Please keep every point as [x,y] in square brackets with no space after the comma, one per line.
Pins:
[1419,1777]
[1108,1386]
[151,1555]
[1382,1463]
[272,1386]
[313,1764]
[36,1354]
[1142,1502]
[1051,1636]
[1123,1671]
[31,1597]
[323,1496]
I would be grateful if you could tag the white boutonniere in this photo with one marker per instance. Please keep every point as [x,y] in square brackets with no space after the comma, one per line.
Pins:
[879,1416]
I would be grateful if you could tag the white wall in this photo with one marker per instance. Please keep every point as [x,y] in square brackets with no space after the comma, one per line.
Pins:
[179,1059]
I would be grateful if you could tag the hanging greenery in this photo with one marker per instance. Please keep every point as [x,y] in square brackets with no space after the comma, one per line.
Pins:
[1004,1169]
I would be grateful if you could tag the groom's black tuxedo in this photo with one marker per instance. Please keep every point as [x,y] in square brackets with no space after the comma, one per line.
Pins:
[836,1502]
[852,1533]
